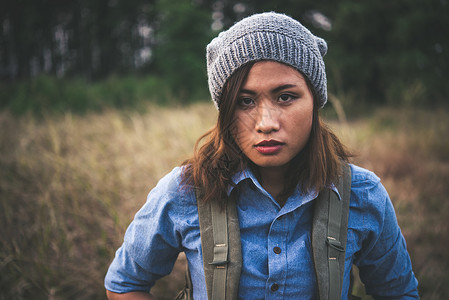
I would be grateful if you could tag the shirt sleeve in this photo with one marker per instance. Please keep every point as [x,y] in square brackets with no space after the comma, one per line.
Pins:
[383,261]
[152,241]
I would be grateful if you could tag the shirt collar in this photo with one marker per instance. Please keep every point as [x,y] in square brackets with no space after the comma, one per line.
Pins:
[248,174]
[241,176]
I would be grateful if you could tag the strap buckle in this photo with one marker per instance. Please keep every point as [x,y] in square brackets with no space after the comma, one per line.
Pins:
[220,255]
[219,263]
[334,244]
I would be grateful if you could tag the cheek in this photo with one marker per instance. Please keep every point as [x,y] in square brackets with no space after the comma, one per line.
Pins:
[302,127]
[241,131]
[305,117]
[309,122]
[308,126]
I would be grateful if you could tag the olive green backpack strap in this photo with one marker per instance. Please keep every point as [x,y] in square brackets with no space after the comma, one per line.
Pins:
[329,233]
[222,257]
[221,248]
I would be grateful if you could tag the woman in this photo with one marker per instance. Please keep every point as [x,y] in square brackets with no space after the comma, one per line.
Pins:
[271,152]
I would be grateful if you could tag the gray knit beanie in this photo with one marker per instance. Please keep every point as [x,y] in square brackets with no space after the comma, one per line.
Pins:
[266,36]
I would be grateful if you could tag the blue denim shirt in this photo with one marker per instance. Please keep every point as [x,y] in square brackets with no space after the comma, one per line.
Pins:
[168,224]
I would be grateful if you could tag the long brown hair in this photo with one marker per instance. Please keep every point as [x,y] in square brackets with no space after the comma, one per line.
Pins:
[218,158]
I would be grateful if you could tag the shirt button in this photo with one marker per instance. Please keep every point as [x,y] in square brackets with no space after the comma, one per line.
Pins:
[277,250]
[274,287]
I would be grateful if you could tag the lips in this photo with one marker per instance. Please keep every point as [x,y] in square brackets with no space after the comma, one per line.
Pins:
[269,147]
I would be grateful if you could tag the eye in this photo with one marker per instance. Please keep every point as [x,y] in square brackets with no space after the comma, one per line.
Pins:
[245,102]
[286,98]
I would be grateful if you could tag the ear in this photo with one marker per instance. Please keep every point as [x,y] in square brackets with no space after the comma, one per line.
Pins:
[322,46]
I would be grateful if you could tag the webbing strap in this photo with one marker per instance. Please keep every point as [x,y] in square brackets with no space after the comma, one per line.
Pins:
[222,264]
[337,233]
[220,261]
[328,243]
[334,247]
[329,234]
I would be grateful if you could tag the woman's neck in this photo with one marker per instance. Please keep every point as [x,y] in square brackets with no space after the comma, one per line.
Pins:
[273,181]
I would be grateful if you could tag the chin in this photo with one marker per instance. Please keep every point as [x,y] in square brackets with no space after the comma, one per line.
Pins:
[269,163]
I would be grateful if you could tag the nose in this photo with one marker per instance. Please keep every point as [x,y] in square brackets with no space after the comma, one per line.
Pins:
[267,118]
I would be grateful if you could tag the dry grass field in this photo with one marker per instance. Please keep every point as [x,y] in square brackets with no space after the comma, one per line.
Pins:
[70,185]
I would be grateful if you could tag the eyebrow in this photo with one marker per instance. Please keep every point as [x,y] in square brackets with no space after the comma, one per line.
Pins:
[275,90]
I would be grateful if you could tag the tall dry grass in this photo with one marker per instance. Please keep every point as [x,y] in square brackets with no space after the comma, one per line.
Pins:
[69,186]
[409,150]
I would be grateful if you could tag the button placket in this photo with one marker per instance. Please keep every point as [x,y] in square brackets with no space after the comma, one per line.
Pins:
[277,259]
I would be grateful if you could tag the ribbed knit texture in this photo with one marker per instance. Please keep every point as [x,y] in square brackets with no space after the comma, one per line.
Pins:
[266,36]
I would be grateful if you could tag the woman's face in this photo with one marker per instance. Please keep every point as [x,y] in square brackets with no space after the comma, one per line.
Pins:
[274,114]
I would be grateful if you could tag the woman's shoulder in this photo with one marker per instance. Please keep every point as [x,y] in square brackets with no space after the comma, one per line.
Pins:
[369,197]
[367,190]
[171,193]
[172,183]
[362,177]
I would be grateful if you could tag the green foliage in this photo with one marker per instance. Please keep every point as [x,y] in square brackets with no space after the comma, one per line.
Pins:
[181,39]
[47,93]
[43,94]
[380,52]
[82,38]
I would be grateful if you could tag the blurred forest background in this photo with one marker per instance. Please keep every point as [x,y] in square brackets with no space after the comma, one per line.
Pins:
[100,98]
[83,54]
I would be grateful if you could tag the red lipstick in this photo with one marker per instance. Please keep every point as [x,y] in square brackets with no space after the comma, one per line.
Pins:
[269,147]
